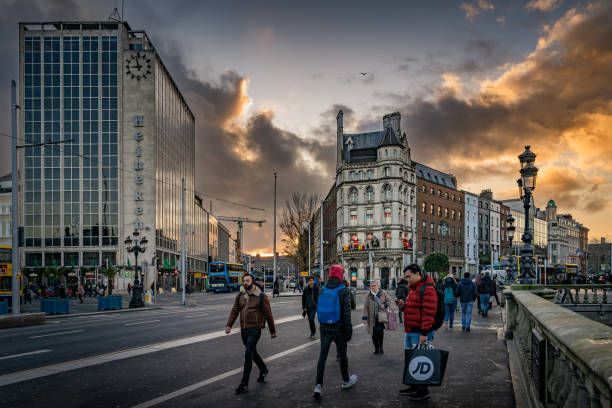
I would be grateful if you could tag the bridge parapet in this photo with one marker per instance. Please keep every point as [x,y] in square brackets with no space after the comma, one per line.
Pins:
[565,358]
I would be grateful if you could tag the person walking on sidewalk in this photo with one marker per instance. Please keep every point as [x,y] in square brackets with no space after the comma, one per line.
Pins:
[253,306]
[494,291]
[334,312]
[466,292]
[477,281]
[81,292]
[275,288]
[401,293]
[485,287]
[310,296]
[375,315]
[450,300]
[419,317]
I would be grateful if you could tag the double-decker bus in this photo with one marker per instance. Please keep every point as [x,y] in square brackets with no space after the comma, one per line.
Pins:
[6,274]
[225,276]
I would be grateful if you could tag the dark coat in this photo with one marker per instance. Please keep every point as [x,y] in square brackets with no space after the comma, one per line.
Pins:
[450,283]
[466,291]
[344,324]
[485,286]
[252,313]
[310,298]
[401,293]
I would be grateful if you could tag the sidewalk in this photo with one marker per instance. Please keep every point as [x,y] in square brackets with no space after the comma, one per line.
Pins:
[477,374]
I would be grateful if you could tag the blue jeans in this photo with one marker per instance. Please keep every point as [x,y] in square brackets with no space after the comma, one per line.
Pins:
[449,314]
[466,314]
[484,302]
[412,339]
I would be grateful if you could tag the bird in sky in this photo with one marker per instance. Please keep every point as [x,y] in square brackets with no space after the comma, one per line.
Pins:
[364,73]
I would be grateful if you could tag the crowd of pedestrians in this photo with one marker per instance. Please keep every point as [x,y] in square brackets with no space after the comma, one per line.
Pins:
[424,307]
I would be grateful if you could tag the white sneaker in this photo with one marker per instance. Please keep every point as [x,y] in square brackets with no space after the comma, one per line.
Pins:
[350,382]
[318,390]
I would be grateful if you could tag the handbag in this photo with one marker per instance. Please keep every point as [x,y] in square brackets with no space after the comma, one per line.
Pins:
[424,365]
[392,318]
[382,313]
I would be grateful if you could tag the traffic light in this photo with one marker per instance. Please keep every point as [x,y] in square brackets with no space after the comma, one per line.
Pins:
[251,268]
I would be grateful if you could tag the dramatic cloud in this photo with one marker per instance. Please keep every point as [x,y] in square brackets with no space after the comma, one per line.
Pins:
[471,11]
[543,5]
[558,99]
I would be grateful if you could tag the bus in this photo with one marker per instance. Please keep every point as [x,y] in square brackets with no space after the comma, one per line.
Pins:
[225,276]
[6,275]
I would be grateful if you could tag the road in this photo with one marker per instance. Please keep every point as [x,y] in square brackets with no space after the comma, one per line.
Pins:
[179,356]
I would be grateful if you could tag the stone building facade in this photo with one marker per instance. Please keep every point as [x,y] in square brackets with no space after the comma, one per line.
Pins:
[376,202]
[563,236]
[440,217]
[470,211]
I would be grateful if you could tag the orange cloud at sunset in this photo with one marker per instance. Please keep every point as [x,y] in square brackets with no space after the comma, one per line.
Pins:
[558,99]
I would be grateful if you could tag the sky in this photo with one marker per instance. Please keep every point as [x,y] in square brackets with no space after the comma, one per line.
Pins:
[474,80]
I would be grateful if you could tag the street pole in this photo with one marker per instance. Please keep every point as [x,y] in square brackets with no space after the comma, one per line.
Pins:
[309,273]
[15,286]
[274,244]
[183,271]
[321,269]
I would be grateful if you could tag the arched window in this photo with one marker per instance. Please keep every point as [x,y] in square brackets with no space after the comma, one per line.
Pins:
[446,195]
[388,192]
[352,175]
[387,171]
[369,193]
[353,195]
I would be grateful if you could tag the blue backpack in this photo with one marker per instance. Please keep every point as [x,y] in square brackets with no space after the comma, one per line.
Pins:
[328,306]
[449,296]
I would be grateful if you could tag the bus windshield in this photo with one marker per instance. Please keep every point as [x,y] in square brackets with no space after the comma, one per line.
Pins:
[217,267]
[5,255]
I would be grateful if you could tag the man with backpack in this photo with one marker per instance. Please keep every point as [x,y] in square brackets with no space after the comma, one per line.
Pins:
[254,309]
[334,313]
[310,296]
[450,301]
[421,314]
[485,287]
[466,292]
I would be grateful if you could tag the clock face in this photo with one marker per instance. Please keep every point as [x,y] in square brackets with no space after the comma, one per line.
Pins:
[138,66]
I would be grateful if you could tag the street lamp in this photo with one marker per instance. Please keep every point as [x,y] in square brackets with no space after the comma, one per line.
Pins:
[526,185]
[307,226]
[510,229]
[136,245]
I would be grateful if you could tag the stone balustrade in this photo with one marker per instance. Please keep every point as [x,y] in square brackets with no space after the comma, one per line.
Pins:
[565,358]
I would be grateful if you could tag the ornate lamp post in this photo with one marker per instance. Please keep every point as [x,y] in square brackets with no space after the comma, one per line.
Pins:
[136,245]
[510,229]
[527,184]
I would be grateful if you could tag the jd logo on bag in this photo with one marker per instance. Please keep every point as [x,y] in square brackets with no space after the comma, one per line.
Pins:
[421,368]
[424,366]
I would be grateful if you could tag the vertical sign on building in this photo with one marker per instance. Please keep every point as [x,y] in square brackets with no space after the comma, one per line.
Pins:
[138,167]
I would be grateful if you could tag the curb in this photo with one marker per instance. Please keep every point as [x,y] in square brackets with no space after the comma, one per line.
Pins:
[10,321]
[63,315]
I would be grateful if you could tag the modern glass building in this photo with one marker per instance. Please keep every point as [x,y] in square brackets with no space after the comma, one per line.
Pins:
[128,138]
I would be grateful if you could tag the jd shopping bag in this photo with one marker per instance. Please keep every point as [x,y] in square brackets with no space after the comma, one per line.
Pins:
[424,365]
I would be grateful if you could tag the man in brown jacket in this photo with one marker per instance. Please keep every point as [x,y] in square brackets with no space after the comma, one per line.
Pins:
[254,309]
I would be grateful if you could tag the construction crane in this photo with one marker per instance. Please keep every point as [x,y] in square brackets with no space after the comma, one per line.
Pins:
[240,221]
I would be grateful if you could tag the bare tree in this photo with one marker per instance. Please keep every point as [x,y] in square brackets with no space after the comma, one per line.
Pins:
[299,209]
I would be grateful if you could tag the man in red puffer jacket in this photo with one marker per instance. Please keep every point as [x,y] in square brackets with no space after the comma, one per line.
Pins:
[419,317]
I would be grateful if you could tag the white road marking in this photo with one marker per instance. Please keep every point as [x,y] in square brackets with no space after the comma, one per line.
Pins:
[148,321]
[25,354]
[204,314]
[55,334]
[193,387]
[44,371]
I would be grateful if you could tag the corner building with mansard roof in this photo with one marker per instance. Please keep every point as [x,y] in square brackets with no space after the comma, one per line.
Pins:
[376,202]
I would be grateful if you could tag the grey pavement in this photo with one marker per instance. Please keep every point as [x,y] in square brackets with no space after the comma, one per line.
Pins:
[477,372]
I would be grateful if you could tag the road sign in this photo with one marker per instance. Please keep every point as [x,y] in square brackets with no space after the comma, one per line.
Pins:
[305,273]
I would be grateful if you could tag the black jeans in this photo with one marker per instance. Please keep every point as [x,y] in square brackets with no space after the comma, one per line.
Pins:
[326,340]
[496,298]
[311,321]
[250,337]
[378,335]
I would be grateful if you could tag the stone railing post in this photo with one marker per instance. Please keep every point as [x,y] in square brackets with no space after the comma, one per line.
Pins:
[511,308]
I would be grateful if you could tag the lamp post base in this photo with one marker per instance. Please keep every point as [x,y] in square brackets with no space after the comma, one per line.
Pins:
[136,297]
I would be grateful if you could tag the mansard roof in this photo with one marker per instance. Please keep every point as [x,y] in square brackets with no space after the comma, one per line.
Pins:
[435,176]
[389,139]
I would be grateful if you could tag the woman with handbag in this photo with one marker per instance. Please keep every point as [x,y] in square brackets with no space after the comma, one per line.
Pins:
[375,315]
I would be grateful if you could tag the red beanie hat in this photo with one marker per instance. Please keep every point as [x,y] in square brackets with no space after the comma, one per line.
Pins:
[336,271]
